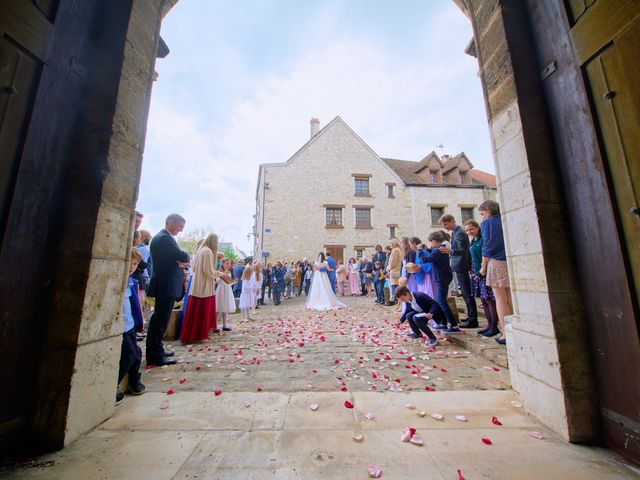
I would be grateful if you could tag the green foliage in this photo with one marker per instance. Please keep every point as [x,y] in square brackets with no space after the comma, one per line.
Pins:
[228,252]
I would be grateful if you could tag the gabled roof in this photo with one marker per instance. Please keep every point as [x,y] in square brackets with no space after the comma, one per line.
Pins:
[454,162]
[407,169]
[427,160]
[321,132]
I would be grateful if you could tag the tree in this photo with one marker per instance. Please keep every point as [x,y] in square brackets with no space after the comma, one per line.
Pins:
[228,252]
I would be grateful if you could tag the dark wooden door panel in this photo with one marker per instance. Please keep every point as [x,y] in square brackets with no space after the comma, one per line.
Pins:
[19,76]
[606,40]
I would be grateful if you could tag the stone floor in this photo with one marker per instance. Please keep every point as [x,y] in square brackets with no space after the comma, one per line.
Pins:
[260,424]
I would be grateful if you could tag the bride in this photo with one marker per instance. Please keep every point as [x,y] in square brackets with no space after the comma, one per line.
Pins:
[321,296]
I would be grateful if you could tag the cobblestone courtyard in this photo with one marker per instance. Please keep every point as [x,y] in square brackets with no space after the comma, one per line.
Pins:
[306,395]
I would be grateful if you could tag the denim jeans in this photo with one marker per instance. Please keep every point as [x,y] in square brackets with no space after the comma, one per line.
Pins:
[380,291]
[442,290]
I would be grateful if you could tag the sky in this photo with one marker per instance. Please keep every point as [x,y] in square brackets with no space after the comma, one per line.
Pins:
[244,77]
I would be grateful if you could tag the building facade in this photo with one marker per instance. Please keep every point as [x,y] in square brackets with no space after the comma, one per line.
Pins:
[336,193]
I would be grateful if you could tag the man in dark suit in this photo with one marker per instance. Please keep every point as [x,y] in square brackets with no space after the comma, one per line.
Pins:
[461,266]
[278,282]
[422,309]
[166,285]
[236,272]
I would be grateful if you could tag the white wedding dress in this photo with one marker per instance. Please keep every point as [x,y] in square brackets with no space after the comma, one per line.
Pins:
[321,296]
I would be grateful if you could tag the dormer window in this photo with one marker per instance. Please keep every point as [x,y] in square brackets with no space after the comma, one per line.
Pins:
[463,178]
[434,176]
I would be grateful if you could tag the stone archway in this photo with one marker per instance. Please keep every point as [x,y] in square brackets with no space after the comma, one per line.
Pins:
[536,130]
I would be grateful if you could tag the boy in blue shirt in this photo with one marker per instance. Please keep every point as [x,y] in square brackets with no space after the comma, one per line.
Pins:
[130,355]
[442,275]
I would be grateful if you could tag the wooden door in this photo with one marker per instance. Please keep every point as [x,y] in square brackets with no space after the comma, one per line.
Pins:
[606,40]
[337,252]
[25,37]
[26,33]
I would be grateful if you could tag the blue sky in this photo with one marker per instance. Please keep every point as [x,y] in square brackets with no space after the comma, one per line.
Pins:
[244,77]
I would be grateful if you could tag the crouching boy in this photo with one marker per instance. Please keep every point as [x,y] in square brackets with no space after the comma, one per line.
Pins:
[423,308]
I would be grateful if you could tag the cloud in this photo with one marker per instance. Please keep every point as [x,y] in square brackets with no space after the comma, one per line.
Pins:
[203,162]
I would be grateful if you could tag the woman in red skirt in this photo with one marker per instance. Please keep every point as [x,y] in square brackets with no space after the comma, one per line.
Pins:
[200,316]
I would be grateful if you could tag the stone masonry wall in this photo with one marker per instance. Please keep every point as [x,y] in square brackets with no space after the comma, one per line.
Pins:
[546,338]
[96,366]
[321,174]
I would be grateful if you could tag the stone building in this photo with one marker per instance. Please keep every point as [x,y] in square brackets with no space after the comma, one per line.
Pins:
[560,87]
[336,193]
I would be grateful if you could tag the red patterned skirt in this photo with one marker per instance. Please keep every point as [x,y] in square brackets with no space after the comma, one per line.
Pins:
[199,319]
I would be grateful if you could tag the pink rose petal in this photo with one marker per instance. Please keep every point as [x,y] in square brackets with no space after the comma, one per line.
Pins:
[375,472]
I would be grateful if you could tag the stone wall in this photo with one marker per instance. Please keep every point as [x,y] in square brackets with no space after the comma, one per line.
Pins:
[546,337]
[93,384]
[320,174]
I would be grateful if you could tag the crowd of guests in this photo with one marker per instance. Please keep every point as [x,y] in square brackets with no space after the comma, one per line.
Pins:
[415,276]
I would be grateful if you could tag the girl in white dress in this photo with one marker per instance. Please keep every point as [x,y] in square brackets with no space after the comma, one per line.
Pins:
[321,296]
[225,302]
[256,278]
[248,294]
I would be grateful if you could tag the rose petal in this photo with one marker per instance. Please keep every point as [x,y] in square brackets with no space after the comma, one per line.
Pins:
[375,472]
[495,421]
[536,435]
[486,441]
[461,418]
[348,404]
[460,477]
[405,436]
[416,439]
[516,404]
[437,416]
[358,437]
[421,413]
[314,406]
[170,392]
[218,392]
[164,405]
[370,416]
[410,406]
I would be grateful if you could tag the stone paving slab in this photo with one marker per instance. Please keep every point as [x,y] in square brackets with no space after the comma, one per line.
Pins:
[261,425]
[314,445]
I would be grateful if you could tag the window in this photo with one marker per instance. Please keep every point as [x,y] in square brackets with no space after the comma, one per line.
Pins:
[434,177]
[363,218]
[463,178]
[390,191]
[466,214]
[436,213]
[359,253]
[392,232]
[362,185]
[334,217]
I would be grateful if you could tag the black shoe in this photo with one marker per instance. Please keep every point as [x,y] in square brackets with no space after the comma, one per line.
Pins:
[491,333]
[227,329]
[168,354]
[468,324]
[390,303]
[215,330]
[501,341]
[413,335]
[119,398]
[162,362]
[138,389]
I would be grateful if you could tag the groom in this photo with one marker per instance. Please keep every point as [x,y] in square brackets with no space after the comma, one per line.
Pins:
[331,271]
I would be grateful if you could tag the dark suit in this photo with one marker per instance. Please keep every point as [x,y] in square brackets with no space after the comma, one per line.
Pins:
[278,284]
[442,275]
[461,265]
[166,285]
[419,323]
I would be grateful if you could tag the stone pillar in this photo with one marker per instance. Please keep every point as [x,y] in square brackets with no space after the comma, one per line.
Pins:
[546,337]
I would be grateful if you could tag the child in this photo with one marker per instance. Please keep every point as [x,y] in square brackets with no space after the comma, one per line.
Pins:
[378,281]
[442,275]
[421,307]
[402,282]
[225,301]
[247,296]
[130,355]
[307,279]
[256,278]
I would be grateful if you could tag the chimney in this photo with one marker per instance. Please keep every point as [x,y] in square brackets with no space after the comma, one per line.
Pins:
[315,126]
